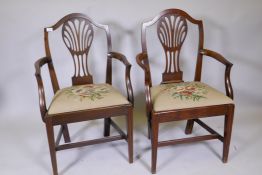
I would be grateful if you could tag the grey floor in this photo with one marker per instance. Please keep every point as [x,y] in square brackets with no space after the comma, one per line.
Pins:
[24,149]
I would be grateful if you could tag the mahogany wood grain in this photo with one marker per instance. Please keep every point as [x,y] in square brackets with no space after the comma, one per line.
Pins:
[171,30]
[77,34]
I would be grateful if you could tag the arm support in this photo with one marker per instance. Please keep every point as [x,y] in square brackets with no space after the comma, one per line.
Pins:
[221,59]
[42,103]
[142,61]
[123,59]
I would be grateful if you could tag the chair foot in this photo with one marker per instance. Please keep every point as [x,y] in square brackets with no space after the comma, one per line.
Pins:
[51,142]
[224,160]
[107,122]
[189,127]
[66,134]
[130,135]
[227,133]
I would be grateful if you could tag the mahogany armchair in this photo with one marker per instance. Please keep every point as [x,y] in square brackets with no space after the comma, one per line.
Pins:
[175,99]
[83,100]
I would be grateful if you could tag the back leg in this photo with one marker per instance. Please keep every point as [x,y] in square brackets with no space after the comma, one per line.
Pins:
[189,126]
[107,122]
[66,134]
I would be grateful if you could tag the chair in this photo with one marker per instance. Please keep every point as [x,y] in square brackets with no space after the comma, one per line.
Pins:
[174,99]
[83,100]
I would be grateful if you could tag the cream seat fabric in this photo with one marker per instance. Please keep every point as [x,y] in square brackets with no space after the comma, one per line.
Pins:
[186,95]
[83,97]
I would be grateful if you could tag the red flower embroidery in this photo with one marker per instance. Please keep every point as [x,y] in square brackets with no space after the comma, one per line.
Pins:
[188,91]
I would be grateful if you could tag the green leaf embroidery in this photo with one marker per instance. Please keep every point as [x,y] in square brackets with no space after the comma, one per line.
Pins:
[91,92]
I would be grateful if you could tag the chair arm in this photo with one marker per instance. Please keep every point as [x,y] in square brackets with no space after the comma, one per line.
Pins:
[119,57]
[42,103]
[129,87]
[216,56]
[142,61]
[149,104]
[223,60]
[39,63]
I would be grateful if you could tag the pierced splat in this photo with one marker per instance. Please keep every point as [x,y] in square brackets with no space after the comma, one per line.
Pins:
[172,31]
[78,35]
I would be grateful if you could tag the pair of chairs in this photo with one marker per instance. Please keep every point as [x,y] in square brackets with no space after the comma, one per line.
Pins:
[172,100]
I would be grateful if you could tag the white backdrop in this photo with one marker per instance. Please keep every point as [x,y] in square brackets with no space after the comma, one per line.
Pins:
[233,28]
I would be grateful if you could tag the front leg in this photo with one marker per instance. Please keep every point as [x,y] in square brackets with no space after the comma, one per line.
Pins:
[227,132]
[129,121]
[51,142]
[149,127]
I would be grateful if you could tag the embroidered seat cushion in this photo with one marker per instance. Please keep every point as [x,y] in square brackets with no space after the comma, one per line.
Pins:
[186,95]
[83,97]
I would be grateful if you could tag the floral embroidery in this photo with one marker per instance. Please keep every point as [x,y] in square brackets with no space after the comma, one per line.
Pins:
[187,91]
[91,92]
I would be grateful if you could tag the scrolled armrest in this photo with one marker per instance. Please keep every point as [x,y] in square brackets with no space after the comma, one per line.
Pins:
[142,61]
[228,64]
[119,57]
[216,56]
[124,60]
[39,63]
[42,102]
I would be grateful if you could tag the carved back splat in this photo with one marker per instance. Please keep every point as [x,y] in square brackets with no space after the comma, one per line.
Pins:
[78,35]
[172,31]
